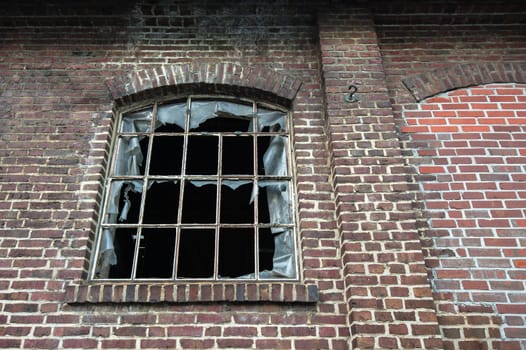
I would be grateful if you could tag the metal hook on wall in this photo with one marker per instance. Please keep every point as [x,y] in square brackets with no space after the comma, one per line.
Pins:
[350,97]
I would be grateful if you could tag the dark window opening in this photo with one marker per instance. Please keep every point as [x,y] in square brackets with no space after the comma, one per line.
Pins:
[131,199]
[237,155]
[124,249]
[236,206]
[196,254]
[237,242]
[156,253]
[266,249]
[167,155]
[162,202]
[224,123]
[263,143]
[201,156]
[199,203]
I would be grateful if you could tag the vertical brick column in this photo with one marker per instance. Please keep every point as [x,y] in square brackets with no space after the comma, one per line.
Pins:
[387,290]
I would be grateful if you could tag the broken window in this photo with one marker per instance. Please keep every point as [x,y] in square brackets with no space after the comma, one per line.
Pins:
[199,188]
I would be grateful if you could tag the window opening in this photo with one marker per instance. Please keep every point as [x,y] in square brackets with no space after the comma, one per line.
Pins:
[199,189]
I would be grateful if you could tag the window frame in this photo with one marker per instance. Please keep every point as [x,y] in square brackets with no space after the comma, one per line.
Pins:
[110,176]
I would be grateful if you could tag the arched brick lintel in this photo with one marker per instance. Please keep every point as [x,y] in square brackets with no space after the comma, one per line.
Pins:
[228,78]
[459,76]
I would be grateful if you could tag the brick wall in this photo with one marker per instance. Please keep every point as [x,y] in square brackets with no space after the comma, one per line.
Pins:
[465,147]
[385,278]
[469,150]
[56,123]
[364,232]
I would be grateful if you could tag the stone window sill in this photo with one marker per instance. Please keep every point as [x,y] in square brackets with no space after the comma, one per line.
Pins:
[163,292]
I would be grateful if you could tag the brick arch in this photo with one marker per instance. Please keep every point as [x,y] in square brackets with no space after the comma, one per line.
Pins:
[459,76]
[229,78]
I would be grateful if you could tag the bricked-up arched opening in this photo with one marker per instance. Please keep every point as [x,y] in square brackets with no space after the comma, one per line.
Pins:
[469,153]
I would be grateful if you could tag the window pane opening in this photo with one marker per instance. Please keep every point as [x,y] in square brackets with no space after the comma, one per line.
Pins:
[139,121]
[201,156]
[271,121]
[199,203]
[124,203]
[236,204]
[162,202]
[272,156]
[196,253]
[238,156]
[266,249]
[229,116]
[167,155]
[156,253]
[171,118]
[224,123]
[124,247]
[236,252]
[130,159]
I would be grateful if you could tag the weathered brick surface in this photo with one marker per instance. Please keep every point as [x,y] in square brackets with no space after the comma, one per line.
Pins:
[375,218]
[378,217]
[470,155]
[455,143]
[64,68]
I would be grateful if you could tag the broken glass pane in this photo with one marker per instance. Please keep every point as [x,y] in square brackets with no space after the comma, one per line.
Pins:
[224,124]
[266,249]
[130,151]
[140,121]
[238,156]
[162,202]
[232,116]
[271,121]
[156,253]
[236,206]
[171,117]
[124,243]
[124,202]
[272,156]
[167,155]
[278,209]
[202,154]
[199,202]
[238,243]
[196,253]
[263,143]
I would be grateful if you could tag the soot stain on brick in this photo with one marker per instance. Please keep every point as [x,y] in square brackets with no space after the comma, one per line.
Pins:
[80,53]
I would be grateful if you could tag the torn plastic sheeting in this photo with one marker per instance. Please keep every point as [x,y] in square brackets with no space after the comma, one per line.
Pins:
[137,122]
[115,195]
[270,118]
[130,156]
[172,114]
[107,254]
[284,262]
[201,111]
[275,157]
[278,201]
